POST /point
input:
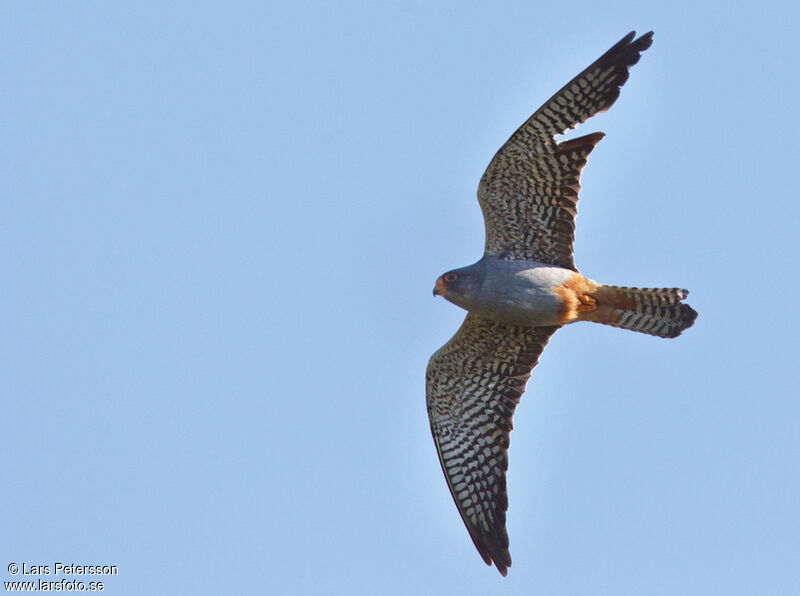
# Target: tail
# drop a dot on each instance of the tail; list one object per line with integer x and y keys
{"x": 655, "y": 311}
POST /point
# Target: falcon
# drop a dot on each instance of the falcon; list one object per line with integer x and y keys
{"x": 525, "y": 288}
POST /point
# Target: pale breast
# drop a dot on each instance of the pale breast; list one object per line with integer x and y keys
{"x": 522, "y": 292}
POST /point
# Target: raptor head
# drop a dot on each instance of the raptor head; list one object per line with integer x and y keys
{"x": 459, "y": 285}
{"x": 449, "y": 279}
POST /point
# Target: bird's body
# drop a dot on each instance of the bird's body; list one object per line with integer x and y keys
{"x": 515, "y": 292}
{"x": 536, "y": 294}
{"x": 522, "y": 291}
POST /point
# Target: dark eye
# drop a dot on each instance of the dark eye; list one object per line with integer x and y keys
{"x": 450, "y": 277}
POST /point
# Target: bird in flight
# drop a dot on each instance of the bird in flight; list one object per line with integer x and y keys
{"x": 524, "y": 288}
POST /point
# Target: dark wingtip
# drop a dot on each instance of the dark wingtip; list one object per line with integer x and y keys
{"x": 502, "y": 560}
{"x": 493, "y": 552}
{"x": 629, "y": 43}
{"x": 622, "y": 56}
{"x": 645, "y": 41}
{"x": 629, "y": 50}
{"x": 497, "y": 547}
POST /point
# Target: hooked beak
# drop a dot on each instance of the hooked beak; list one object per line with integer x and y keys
{"x": 439, "y": 287}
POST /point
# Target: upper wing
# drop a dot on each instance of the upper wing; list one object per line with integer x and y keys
{"x": 474, "y": 382}
{"x": 529, "y": 192}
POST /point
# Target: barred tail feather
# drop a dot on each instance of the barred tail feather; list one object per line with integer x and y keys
{"x": 655, "y": 311}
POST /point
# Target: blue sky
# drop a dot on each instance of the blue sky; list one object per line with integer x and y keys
{"x": 220, "y": 226}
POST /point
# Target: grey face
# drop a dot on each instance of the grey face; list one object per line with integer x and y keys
{"x": 459, "y": 285}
